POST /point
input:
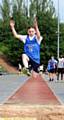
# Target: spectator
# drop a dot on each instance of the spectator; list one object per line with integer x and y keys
{"x": 60, "y": 68}
{"x": 51, "y": 68}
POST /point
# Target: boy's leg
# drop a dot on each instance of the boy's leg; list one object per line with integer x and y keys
{"x": 34, "y": 74}
{"x": 50, "y": 76}
{"x": 35, "y": 67}
{"x": 25, "y": 60}
{"x": 62, "y": 74}
{"x": 58, "y": 73}
{"x": 53, "y": 74}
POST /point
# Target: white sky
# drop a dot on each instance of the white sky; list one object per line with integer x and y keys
{"x": 61, "y": 8}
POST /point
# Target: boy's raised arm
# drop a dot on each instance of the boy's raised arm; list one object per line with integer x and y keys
{"x": 12, "y": 24}
{"x": 36, "y": 28}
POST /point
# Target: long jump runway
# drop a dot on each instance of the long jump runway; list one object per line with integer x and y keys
{"x": 33, "y": 91}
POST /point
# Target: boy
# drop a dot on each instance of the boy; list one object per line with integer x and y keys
{"x": 60, "y": 69}
{"x": 31, "y": 46}
{"x": 52, "y": 63}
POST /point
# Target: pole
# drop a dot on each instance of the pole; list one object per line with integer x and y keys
{"x": 58, "y": 33}
{"x": 28, "y": 8}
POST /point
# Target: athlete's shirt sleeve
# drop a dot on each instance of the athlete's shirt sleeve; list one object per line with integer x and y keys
{"x": 23, "y": 38}
{"x": 39, "y": 40}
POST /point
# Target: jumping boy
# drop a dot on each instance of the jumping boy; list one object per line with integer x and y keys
{"x": 31, "y": 46}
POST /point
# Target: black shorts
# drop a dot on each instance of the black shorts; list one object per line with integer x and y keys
{"x": 19, "y": 70}
{"x": 34, "y": 65}
{"x": 51, "y": 71}
{"x": 60, "y": 70}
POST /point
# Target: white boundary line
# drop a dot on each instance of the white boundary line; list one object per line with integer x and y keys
{"x": 19, "y": 86}
{"x": 58, "y": 98}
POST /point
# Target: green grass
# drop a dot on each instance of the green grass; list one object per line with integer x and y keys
{"x": 2, "y": 69}
{"x": 3, "y": 48}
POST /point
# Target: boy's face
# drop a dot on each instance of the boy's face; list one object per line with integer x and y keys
{"x": 31, "y": 31}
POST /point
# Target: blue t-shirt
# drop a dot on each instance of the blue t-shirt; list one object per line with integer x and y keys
{"x": 51, "y": 64}
{"x": 32, "y": 49}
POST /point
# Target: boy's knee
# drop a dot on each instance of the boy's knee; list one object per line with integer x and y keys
{"x": 25, "y": 57}
{"x": 25, "y": 60}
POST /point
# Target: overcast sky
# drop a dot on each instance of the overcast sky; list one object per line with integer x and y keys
{"x": 61, "y": 8}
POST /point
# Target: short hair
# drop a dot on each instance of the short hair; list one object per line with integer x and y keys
{"x": 31, "y": 27}
{"x": 61, "y": 56}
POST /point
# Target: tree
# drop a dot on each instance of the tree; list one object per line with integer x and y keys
{"x": 5, "y": 10}
{"x": 47, "y": 22}
{"x": 61, "y": 40}
{"x": 5, "y": 13}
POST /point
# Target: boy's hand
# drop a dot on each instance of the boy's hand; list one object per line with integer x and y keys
{"x": 36, "y": 28}
{"x": 12, "y": 23}
{"x": 35, "y": 22}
